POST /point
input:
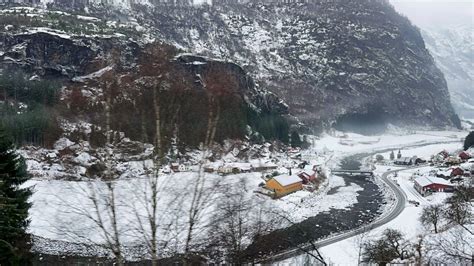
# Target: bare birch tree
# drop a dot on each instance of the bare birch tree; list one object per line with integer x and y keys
{"x": 238, "y": 220}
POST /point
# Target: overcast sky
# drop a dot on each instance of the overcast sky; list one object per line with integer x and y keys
{"x": 425, "y": 13}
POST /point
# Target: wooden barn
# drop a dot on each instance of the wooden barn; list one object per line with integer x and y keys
{"x": 284, "y": 184}
{"x": 426, "y": 184}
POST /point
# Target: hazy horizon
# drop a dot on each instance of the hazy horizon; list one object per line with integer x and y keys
{"x": 435, "y": 13}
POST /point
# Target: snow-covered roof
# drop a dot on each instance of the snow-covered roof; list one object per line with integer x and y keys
{"x": 429, "y": 180}
{"x": 404, "y": 159}
{"x": 243, "y": 166}
{"x": 286, "y": 180}
{"x": 444, "y": 172}
{"x": 258, "y": 163}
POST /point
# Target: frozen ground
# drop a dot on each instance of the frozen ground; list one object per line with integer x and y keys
{"x": 59, "y": 204}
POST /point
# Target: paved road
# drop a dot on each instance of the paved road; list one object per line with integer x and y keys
{"x": 385, "y": 218}
{"x": 401, "y": 200}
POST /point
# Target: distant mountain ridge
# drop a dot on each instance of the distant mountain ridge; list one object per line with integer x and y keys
{"x": 453, "y": 49}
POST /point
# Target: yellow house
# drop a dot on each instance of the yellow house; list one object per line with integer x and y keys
{"x": 283, "y": 185}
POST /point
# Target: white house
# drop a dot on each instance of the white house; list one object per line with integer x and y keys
{"x": 183, "y": 168}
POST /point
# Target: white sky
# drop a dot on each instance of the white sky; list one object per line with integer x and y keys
{"x": 426, "y": 13}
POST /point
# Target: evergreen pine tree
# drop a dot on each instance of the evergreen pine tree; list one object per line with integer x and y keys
{"x": 295, "y": 140}
{"x": 14, "y": 241}
{"x": 399, "y": 154}
{"x": 392, "y": 156}
{"x": 469, "y": 141}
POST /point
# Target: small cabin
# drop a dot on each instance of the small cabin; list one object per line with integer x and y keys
{"x": 307, "y": 178}
{"x": 175, "y": 167}
{"x": 457, "y": 172}
{"x": 464, "y": 156}
{"x": 183, "y": 168}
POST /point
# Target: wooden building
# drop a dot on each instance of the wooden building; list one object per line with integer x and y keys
{"x": 284, "y": 184}
{"x": 428, "y": 184}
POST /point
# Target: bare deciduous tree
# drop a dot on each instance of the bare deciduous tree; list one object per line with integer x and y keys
{"x": 431, "y": 216}
{"x": 392, "y": 245}
{"x": 452, "y": 247}
{"x": 459, "y": 208}
{"x": 359, "y": 241}
{"x": 237, "y": 221}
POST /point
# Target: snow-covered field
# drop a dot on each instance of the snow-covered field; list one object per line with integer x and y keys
{"x": 63, "y": 210}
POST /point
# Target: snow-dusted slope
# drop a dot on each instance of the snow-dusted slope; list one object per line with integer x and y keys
{"x": 453, "y": 49}
{"x": 330, "y": 61}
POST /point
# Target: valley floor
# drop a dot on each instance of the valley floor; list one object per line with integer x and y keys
{"x": 63, "y": 211}
{"x": 348, "y": 252}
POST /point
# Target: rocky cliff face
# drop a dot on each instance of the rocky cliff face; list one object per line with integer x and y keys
{"x": 332, "y": 62}
{"x": 114, "y": 84}
{"x": 325, "y": 60}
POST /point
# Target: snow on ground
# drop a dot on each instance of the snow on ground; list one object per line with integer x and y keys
{"x": 345, "y": 144}
{"x": 425, "y": 152}
{"x": 57, "y": 204}
{"x": 64, "y": 210}
{"x": 346, "y": 252}
{"x": 305, "y": 204}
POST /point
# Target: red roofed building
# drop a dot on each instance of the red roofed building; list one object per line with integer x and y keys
{"x": 425, "y": 184}
{"x": 457, "y": 172}
{"x": 306, "y": 177}
{"x": 464, "y": 156}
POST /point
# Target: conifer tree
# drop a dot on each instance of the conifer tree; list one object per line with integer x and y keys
{"x": 469, "y": 141}
{"x": 392, "y": 156}
{"x": 295, "y": 140}
{"x": 14, "y": 205}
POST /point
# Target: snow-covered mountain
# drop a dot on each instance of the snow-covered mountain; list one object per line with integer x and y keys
{"x": 334, "y": 63}
{"x": 453, "y": 49}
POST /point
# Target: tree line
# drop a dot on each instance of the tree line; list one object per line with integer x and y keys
{"x": 28, "y": 109}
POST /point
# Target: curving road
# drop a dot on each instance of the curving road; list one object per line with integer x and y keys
{"x": 401, "y": 200}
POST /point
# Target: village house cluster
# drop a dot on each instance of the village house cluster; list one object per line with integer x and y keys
{"x": 282, "y": 172}
{"x": 448, "y": 170}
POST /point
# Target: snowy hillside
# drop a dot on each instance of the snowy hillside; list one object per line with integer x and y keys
{"x": 333, "y": 63}
{"x": 453, "y": 50}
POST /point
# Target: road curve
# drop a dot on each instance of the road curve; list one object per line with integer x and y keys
{"x": 401, "y": 200}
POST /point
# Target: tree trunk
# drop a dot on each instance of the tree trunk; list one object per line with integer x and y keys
{"x": 209, "y": 122}
{"x": 153, "y": 225}
{"x": 143, "y": 127}
{"x": 156, "y": 105}
{"x": 214, "y": 125}
{"x": 107, "y": 113}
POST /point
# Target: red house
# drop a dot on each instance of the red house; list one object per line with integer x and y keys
{"x": 457, "y": 172}
{"x": 425, "y": 184}
{"x": 306, "y": 177}
{"x": 464, "y": 156}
